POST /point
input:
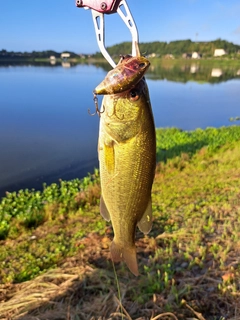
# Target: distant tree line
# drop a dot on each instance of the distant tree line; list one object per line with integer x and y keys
{"x": 176, "y": 48}
{"x": 4, "y": 54}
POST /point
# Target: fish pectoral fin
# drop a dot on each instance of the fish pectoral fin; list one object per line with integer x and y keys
{"x": 127, "y": 254}
{"x": 98, "y": 149}
{"x": 109, "y": 156}
{"x": 103, "y": 210}
{"x": 145, "y": 224}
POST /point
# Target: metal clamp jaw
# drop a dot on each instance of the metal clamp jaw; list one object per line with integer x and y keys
{"x": 107, "y": 7}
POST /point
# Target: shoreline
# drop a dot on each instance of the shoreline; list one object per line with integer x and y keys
{"x": 82, "y": 170}
{"x": 36, "y": 182}
{"x": 91, "y": 60}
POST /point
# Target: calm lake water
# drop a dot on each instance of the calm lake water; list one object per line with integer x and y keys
{"x": 46, "y": 132}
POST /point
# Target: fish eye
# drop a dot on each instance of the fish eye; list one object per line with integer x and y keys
{"x": 139, "y": 66}
{"x": 134, "y": 95}
{"x": 142, "y": 65}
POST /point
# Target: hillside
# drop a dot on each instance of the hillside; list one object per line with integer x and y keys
{"x": 160, "y": 49}
{"x": 176, "y": 48}
{"x": 11, "y": 55}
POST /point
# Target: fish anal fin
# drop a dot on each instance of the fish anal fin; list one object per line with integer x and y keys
{"x": 103, "y": 210}
{"x": 127, "y": 254}
{"x": 145, "y": 224}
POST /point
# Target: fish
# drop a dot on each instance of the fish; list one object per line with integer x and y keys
{"x": 127, "y": 161}
{"x": 124, "y": 76}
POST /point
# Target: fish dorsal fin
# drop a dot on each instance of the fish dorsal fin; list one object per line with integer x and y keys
{"x": 103, "y": 210}
{"x": 127, "y": 254}
{"x": 145, "y": 224}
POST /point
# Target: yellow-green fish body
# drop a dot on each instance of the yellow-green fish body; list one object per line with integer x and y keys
{"x": 127, "y": 156}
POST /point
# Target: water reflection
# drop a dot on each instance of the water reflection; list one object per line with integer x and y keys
{"x": 216, "y": 72}
{"x": 50, "y": 63}
{"x": 179, "y": 72}
{"x": 66, "y": 64}
{"x": 47, "y": 134}
{"x": 53, "y": 62}
{"x": 196, "y": 72}
{"x": 194, "y": 68}
{"x": 184, "y": 72}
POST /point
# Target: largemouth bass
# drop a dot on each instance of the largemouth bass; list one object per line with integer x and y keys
{"x": 127, "y": 156}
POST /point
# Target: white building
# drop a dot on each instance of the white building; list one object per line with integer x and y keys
{"x": 65, "y": 55}
{"x": 152, "y": 55}
{"x": 52, "y": 60}
{"x": 219, "y": 52}
{"x": 196, "y": 55}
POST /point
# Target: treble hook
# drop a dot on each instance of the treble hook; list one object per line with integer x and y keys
{"x": 97, "y": 111}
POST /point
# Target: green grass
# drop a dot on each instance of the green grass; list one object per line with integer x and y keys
{"x": 190, "y": 259}
{"x": 172, "y": 142}
{"x": 31, "y": 208}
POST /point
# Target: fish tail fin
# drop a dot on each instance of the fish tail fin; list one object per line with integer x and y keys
{"x": 128, "y": 254}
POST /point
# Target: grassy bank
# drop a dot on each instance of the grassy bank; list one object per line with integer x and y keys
{"x": 54, "y": 250}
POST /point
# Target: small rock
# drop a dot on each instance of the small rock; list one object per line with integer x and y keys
{"x": 184, "y": 265}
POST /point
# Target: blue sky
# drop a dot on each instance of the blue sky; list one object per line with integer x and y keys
{"x": 27, "y": 25}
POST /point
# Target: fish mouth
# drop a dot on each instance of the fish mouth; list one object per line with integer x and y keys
{"x": 116, "y": 122}
{"x": 138, "y": 86}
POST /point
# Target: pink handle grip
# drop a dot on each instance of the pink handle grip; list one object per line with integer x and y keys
{"x": 103, "y": 6}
